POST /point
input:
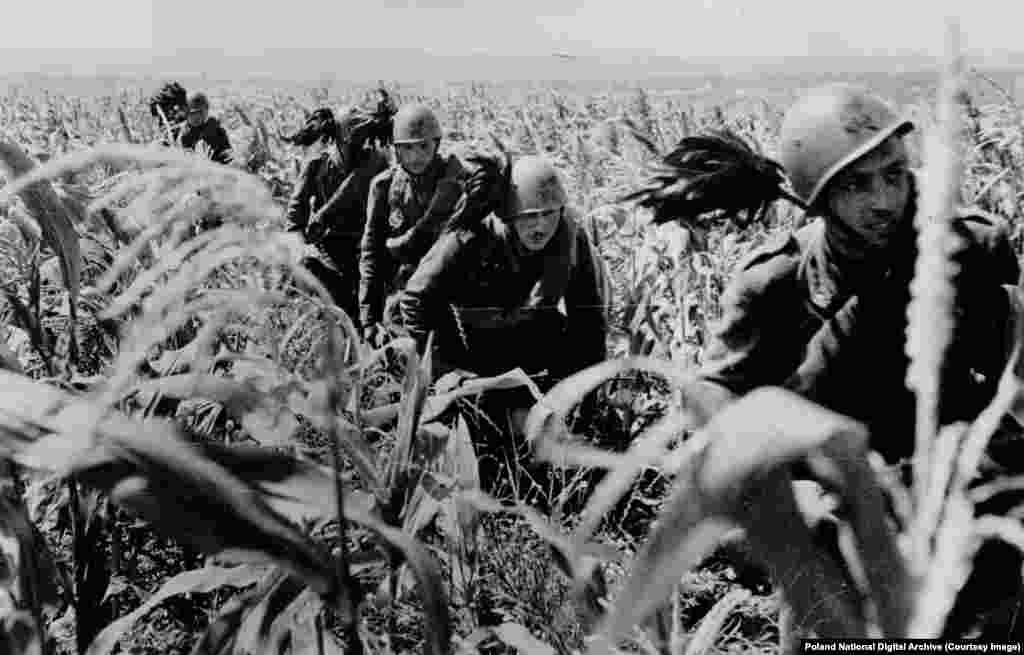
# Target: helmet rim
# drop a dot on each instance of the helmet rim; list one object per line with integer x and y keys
{"x": 829, "y": 128}
{"x": 900, "y": 128}
{"x": 537, "y": 188}
{"x": 415, "y": 124}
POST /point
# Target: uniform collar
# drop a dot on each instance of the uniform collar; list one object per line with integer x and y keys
{"x": 835, "y": 269}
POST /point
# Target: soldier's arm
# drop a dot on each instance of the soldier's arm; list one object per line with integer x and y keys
{"x": 346, "y": 195}
{"x": 373, "y": 253}
{"x": 819, "y": 372}
{"x": 986, "y": 264}
{"x": 219, "y": 143}
{"x": 757, "y": 340}
{"x": 425, "y": 297}
{"x": 414, "y": 243}
{"x": 297, "y": 210}
{"x": 585, "y": 306}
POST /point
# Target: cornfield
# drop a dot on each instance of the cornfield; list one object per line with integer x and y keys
{"x": 199, "y": 455}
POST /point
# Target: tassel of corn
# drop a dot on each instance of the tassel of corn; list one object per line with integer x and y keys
{"x": 931, "y": 311}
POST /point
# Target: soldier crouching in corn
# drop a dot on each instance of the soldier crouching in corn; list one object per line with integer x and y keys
{"x": 822, "y": 311}
{"x": 190, "y": 125}
{"x": 521, "y": 290}
{"x": 200, "y": 127}
{"x": 328, "y": 202}
{"x": 409, "y": 206}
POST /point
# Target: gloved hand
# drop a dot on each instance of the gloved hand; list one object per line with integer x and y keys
{"x": 316, "y": 228}
{"x": 374, "y": 334}
{"x": 486, "y": 188}
{"x": 397, "y": 245}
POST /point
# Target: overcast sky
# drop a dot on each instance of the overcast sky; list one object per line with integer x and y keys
{"x": 82, "y": 32}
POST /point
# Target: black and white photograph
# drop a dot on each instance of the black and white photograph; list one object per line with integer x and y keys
{"x": 464, "y": 327}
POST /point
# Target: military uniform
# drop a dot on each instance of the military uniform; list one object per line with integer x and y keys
{"x": 405, "y": 216}
{"x": 794, "y": 289}
{"x": 791, "y": 319}
{"x": 493, "y": 307}
{"x": 212, "y": 133}
{"x": 335, "y": 198}
{"x": 169, "y": 137}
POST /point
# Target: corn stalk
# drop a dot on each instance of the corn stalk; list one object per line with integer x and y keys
{"x": 931, "y": 311}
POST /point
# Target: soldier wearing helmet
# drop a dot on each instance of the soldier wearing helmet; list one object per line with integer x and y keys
{"x": 409, "y": 205}
{"x": 328, "y": 201}
{"x": 843, "y": 151}
{"x": 822, "y": 311}
{"x": 201, "y": 127}
{"x": 523, "y": 289}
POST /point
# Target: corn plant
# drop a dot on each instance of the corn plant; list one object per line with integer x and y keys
{"x": 396, "y": 496}
{"x": 218, "y": 339}
{"x": 731, "y": 472}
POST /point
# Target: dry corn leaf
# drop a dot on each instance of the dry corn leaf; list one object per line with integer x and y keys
{"x": 201, "y": 581}
{"x": 738, "y": 477}
{"x": 47, "y": 209}
{"x": 218, "y": 499}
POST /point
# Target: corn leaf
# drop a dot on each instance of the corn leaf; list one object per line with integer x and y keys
{"x": 545, "y": 423}
{"x": 195, "y": 500}
{"x": 737, "y": 478}
{"x": 518, "y": 637}
{"x": 47, "y": 209}
{"x": 199, "y": 581}
{"x": 436, "y": 405}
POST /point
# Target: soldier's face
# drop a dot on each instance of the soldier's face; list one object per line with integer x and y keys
{"x": 871, "y": 195}
{"x": 415, "y": 157}
{"x": 196, "y": 116}
{"x": 535, "y": 230}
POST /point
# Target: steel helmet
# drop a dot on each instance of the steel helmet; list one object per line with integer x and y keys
{"x": 415, "y": 124}
{"x": 536, "y": 187}
{"x": 828, "y": 129}
{"x": 198, "y": 100}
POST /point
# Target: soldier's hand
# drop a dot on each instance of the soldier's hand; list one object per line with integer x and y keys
{"x": 361, "y": 132}
{"x": 374, "y": 334}
{"x": 485, "y": 187}
{"x": 398, "y": 245}
{"x": 315, "y": 228}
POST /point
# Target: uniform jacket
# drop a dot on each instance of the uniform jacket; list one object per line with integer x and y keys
{"x": 790, "y": 319}
{"x": 212, "y": 133}
{"x": 335, "y": 197}
{"x": 405, "y": 216}
{"x": 494, "y": 306}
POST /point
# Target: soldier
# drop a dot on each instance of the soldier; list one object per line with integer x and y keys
{"x": 328, "y": 202}
{"x": 201, "y": 127}
{"x": 823, "y": 310}
{"x": 523, "y": 290}
{"x": 409, "y": 205}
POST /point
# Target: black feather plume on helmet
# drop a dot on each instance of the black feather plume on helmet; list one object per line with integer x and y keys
{"x": 711, "y": 178}
{"x": 356, "y": 128}
{"x": 486, "y": 188}
{"x": 318, "y": 125}
{"x": 167, "y": 98}
{"x": 382, "y": 120}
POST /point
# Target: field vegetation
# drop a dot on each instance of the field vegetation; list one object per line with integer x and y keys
{"x": 199, "y": 456}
